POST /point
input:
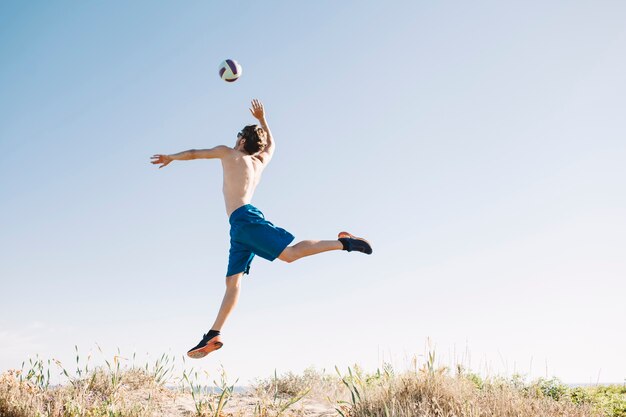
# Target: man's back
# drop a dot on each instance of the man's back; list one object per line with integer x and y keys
{"x": 242, "y": 173}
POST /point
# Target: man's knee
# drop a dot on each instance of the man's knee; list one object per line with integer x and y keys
{"x": 288, "y": 255}
{"x": 232, "y": 281}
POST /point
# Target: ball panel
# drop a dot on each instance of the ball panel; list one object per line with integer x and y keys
{"x": 232, "y": 65}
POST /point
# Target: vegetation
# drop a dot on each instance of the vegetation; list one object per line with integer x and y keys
{"x": 121, "y": 389}
{"x": 112, "y": 390}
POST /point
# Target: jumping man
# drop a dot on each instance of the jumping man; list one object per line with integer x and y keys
{"x": 250, "y": 233}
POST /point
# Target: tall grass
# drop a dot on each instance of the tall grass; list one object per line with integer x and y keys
{"x": 120, "y": 388}
{"x": 110, "y": 390}
{"x": 440, "y": 394}
{"x": 208, "y": 401}
{"x": 277, "y": 395}
{"x": 436, "y": 391}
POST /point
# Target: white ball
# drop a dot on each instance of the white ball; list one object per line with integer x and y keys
{"x": 230, "y": 70}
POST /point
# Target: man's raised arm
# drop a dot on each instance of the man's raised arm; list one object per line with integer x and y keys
{"x": 217, "y": 152}
{"x": 258, "y": 112}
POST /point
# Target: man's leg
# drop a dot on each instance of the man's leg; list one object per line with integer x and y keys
{"x": 345, "y": 241}
{"x": 229, "y": 301}
{"x": 308, "y": 248}
{"x": 212, "y": 341}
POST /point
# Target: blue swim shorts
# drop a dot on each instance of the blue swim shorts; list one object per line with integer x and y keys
{"x": 251, "y": 234}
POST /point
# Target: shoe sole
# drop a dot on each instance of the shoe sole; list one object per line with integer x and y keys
{"x": 351, "y": 236}
{"x": 214, "y": 344}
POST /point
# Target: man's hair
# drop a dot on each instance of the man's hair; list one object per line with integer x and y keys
{"x": 252, "y": 135}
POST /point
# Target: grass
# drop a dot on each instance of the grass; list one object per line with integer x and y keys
{"x": 440, "y": 394}
{"x": 120, "y": 388}
{"x": 207, "y": 401}
{"x": 111, "y": 390}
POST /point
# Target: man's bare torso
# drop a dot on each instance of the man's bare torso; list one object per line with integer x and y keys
{"x": 242, "y": 170}
{"x": 242, "y": 173}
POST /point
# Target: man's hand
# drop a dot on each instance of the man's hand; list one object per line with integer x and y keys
{"x": 257, "y": 110}
{"x": 161, "y": 159}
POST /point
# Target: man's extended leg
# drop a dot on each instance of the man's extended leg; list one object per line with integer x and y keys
{"x": 211, "y": 341}
{"x": 230, "y": 300}
{"x": 308, "y": 248}
{"x": 345, "y": 241}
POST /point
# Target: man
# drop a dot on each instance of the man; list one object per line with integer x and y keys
{"x": 250, "y": 233}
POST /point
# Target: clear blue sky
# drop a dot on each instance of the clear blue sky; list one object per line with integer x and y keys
{"x": 480, "y": 147}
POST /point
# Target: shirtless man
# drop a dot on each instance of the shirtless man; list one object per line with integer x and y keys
{"x": 250, "y": 233}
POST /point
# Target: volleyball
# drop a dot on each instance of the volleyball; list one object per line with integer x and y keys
{"x": 230, "y": 70}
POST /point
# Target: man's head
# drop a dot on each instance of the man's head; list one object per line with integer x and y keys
{"x": 251, "y": 140}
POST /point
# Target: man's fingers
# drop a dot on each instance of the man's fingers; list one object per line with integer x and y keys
{"x": 257, "y": 108}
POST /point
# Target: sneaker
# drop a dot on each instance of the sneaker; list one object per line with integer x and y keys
{"x": 205, "y": 347}
{"x": 353, "y": 243}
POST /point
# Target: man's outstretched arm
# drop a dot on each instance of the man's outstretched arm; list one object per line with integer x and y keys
{"x": 258, "y": 112}
{"x": 217, "y": 152}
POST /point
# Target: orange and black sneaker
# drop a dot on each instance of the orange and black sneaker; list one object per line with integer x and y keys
{"x": 210, "y": 342}
{"x": 353, "y": 243}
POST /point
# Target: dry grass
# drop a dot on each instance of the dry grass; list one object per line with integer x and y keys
{"x": 318, "y": 384}
{"x": 121, "y": 391}
{"x": 135, "y": 393}
{"x": 438, "y": 394}
{"x": 289, "y": 393}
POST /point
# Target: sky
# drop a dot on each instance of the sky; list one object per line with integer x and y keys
{"x": 479, "y": 146}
